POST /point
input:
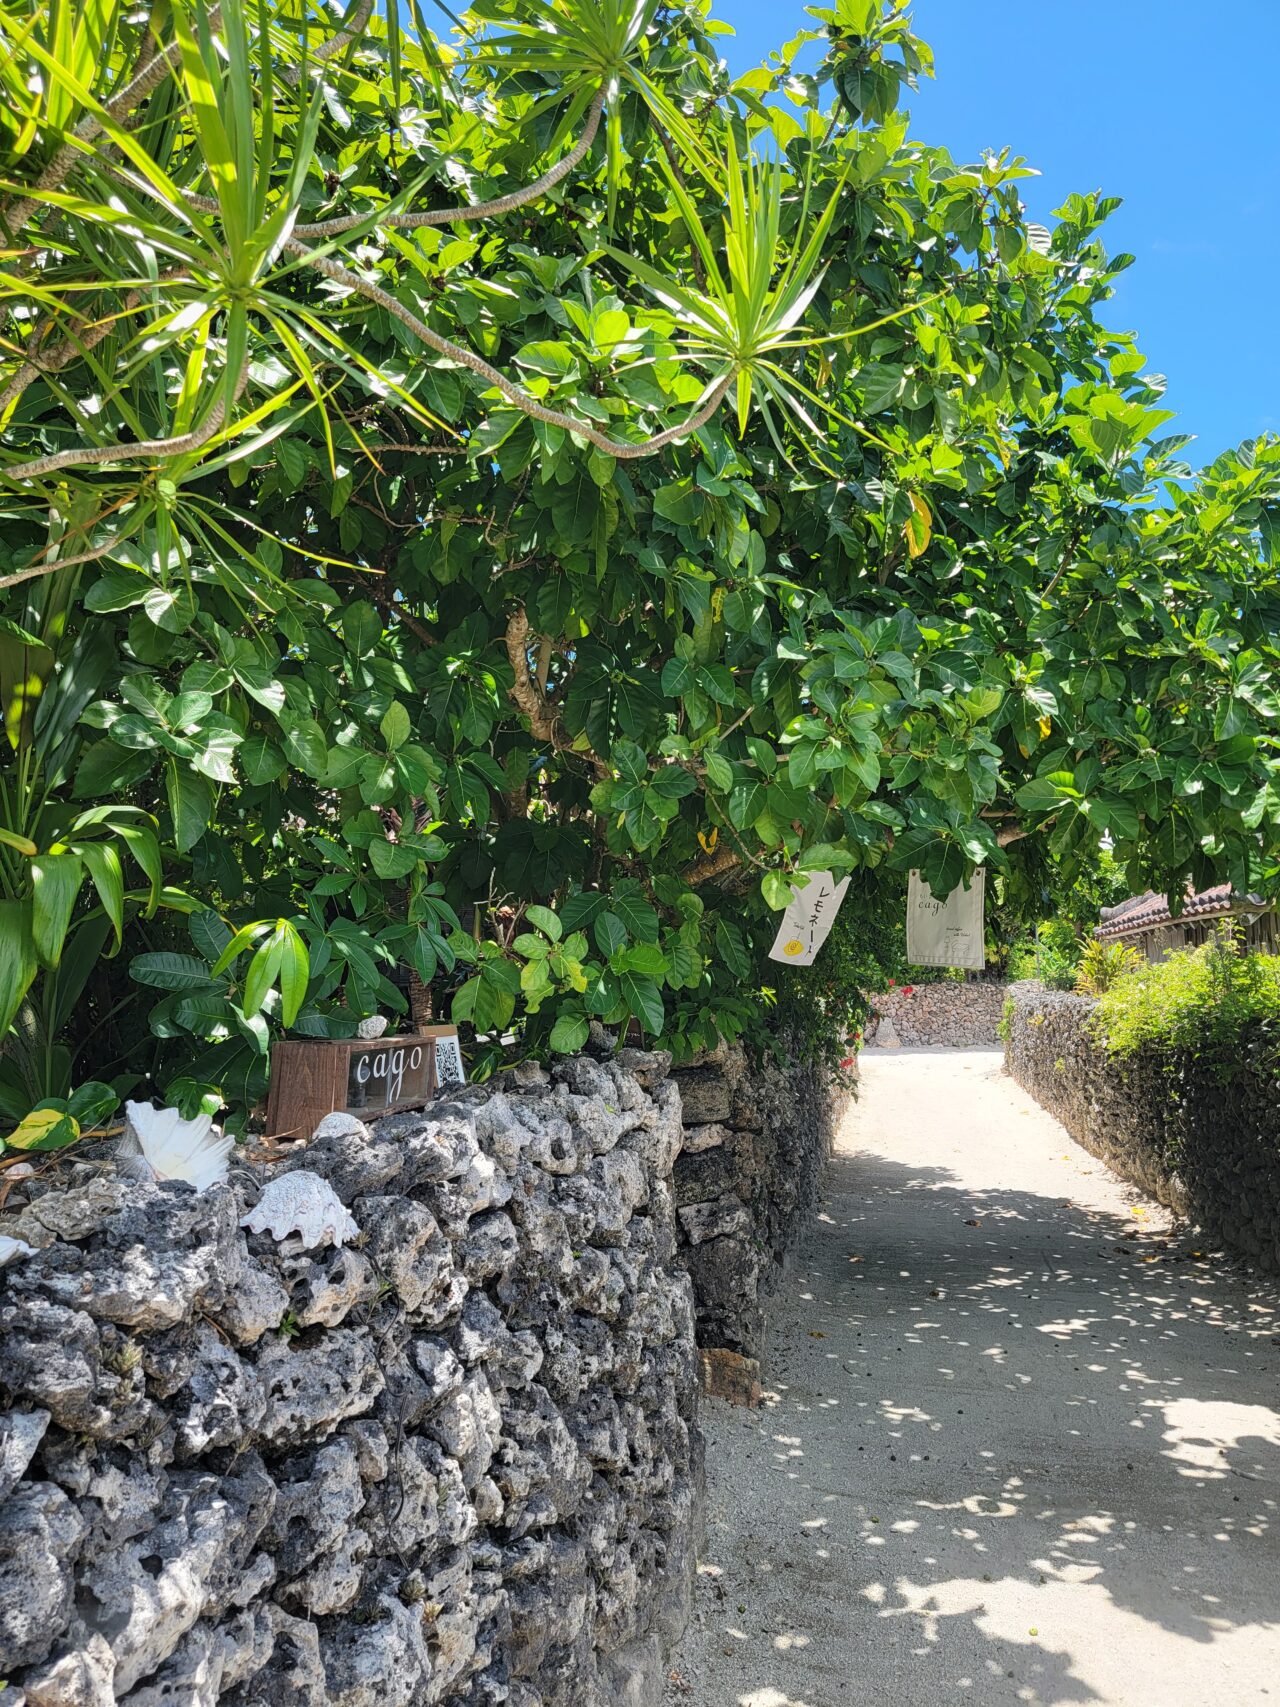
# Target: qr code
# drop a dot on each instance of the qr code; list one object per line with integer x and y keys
{"x": 449, "y": 1068}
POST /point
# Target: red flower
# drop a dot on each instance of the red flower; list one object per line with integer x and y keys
{"x": 908, "y": 989}
{"x": 891, "y": 983}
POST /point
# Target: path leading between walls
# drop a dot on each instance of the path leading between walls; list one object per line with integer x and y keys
{"x": 1021, "y": 1445}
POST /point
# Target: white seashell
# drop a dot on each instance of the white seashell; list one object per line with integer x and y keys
{"x": 13, "y": 1250}
{"x": 372, "y": 1027}
{"x": 159, "y": 1144}
{"x": 340, "y": 1125}
{"x": 303, "y": 1203}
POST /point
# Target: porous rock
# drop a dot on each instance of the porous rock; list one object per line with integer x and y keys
{"x": 451, "y": 1464}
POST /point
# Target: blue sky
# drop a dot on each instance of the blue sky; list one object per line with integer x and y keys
{"x": 1168, "y": 103}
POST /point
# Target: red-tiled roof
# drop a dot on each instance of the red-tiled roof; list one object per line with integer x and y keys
{"x": 1147, "y": 912}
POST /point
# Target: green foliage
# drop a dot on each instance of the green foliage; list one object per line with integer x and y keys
{"x": 1201, "y": 1001}
{"x": 1052, "y": 955}
{"x": 520, "y": 592}
{"x": 1102, "y": 964}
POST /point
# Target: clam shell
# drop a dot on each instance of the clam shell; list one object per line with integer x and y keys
{"x": 301, "y": 1203}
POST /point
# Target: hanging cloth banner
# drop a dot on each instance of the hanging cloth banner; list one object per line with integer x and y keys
{"x": 946, "y": 933}
{"x": 808, "y": 919}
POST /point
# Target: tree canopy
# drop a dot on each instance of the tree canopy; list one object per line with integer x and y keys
{"x": 506, "y": 503}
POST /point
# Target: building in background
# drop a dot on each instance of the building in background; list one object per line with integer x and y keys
{"x": 1146, "y": 923}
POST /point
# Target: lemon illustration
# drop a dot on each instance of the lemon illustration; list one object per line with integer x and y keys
{"x": 795, "y": 946}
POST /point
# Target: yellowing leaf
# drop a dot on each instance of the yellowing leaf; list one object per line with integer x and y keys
{"x": 44, "y": 1129}
{"x": 708, "y": 842}
{"x": 918, "y": 530}
{"x": 1045, "y": 726}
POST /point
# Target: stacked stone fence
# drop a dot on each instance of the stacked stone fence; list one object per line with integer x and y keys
{"x": 454, "y": 1461}
{"x": 757, "y": 1134}
{"x": 947, "y": 1014}
{"x": 1199, "y": 1132}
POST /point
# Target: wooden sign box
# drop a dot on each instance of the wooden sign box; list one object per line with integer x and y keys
{"x": 311, "y": 1077}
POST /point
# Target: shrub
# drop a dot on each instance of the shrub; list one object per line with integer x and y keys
{"x": 1102, "y": 963}
{"x": 1199, "y": 1000}
{"x": 1052, "y": 956}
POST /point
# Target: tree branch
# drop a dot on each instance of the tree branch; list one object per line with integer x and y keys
{"x": 715, "y": 865}
{"x": 92, "y": 456}
{"x": 515, "y": 394}
{"x": 59, "y": 355}
{"x": 391, "y": 606}
{"x": 544, "y": 720}
{"x": 449, "y": 215}
{"x": 359, "y": 18}
{"x": 134, "y": 93}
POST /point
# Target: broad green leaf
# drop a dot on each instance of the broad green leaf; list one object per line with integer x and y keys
{"x": 103, "y": 863}
{"x": 18, "y": 964}
{"x": 775, "y": 886}
{"x": 164, "y": 970}
{"x": 395, "y": 727}
{"x": 295, "y": 971}
{"x": 569, "y": 1033}
{"x": 55, "y": 883}
{"x": 190, "y": 804}
{"x": 543, "y": 919}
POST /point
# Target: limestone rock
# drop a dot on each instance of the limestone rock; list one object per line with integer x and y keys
{"x": 715, "y": 1220}
{"x": 311, "y": 1389}
{"x": 450, "y": 1465}
{"x": 705, "y": 1095}
{"x": 74, "y": 1214}
{"x": 222, "y": 1403}
{"x": 381, "y": 1661}
{"x": 81, "y": 1677}
{"x": 292, "y": 1676}
{"x": 165, "y": 1253}
{"x": 711, "y": 1137}
{"x": 40, "y": 1536}
{"x": 317, "y": 1496}
{"x": 345, "y": 1153}
{"x": 325, "y": 1287}
{"x": 255, "y": 1302}
{"x": 20, "y": 1433}
{"x": 51, "y": 1356}
{"x": 408, "y": 1250}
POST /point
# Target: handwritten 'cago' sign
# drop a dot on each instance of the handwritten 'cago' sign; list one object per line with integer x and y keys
{"x": 808, "y": 919}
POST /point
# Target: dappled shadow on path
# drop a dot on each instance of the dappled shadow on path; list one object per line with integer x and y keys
{"x": 1013, "y": 1443}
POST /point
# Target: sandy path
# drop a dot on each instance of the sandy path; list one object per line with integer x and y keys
{"x": 1021, "y": 1444}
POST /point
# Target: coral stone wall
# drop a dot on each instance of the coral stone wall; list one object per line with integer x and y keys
{"x": 1202, "y": 1136}
{"x": 951, "y": 1014}
{"x": 454, "y": 1462}
{"x": 756, "y": 1137}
